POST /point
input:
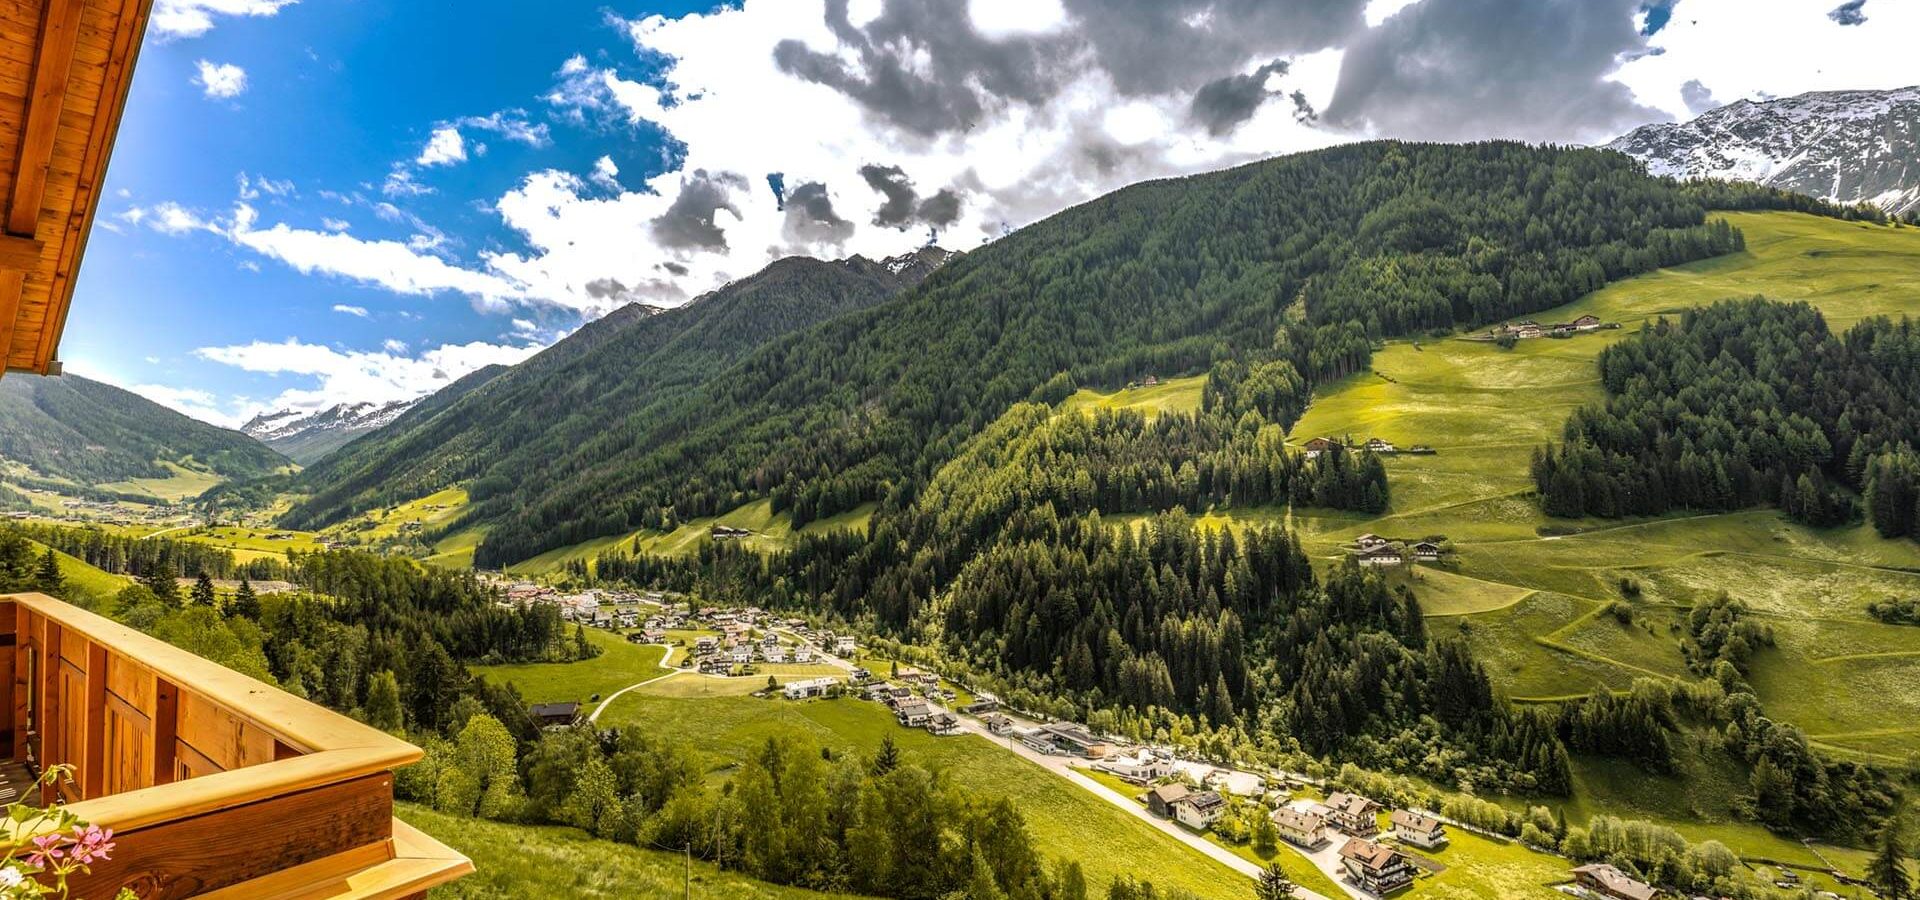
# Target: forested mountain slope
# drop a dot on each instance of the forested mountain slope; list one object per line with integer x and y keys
{"x": 566, "y": 400}
{"x": 1304, "y": 258}
{"x": 91, "y": 433}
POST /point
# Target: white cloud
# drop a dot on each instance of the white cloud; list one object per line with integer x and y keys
{"x": 391, "y": 265}
{"x": 192, "y": 18}
{"x": 605, "y": 173}
{"x": 360, "y": 311}
{"x": 400, "y": 183}
{"x": 168, "y": 218}
{"x": 220, "y": 81}
{"x": 199, "y": 404}
{"x": 394, "y": 345}
{"x": 1002, "y": 18}
{"x": 444, "y": 148}
{"x": 351, "y": 376}
{"x": 332, "y": 224}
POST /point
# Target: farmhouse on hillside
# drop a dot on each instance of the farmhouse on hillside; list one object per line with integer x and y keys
{"x": 1421, "y": 831}
{"x": 913, "y": 714}
{"x": 554, "y": 715}
{"x": 1426, "y": 551}
{"x": 1161, "y": 800}
{"x": 1611, "y": 883}
{"x": 1370, "y": 541}
{"x": 1388, "y": 555}
{"x": 1376, "y": 869}
{"x": 1317, "y": 446}
{"x": 1587, "y": 322}
{"x": 1379, "y": 445}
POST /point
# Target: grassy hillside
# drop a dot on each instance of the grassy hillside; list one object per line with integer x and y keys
{"x": 517, "y": 861}
{"x": 771, "y": 531}
{"x": 563, "y": 404}
{"x": 69, "y": 428}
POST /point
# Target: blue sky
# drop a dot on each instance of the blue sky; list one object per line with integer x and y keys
{"x": 324, "y": 201}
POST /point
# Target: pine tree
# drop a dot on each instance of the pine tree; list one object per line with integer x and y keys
{"x": 1888, "y": 868}
{"x": 203, "y": 591}
{"x": 245, "y": 603}
{"x": 1274, "y": 884}
{"x": 48, "y": 579}
{"x": 887, "y": 760}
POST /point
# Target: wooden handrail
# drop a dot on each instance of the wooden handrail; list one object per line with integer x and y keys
{"x": 312, "y": 789}
{"x": 301, "y": 723}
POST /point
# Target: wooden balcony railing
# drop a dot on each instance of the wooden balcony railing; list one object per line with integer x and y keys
{"x": 215, "y": 784}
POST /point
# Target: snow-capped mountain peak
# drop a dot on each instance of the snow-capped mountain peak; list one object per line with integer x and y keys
{"x": 1844, "y": 146}
{"x": 307, "y": 435}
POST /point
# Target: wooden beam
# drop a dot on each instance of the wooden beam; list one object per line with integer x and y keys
{"x": 20, "y": 253}
{"x": 13, "y": 284}
{"x": 59, "y": 30}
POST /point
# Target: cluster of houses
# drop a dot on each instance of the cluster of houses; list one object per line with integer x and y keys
{"x": 1374, "y": 551}
{"x": 917, "y": 710}
{"x": 1373, "y": 866}
{"x": 1524, "y": 330}
{"x": 728, "y": 533}
{"x": 1318, "y": 445}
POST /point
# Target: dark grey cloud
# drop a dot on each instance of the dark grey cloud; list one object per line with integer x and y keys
{"x": 1161, "y": 46}
{"x": 1849, "y": 13}
{"x": 923, "y": 67}
{"x": 902, "y": 205}
{"x": 1473, "y": 69}
{"x": 810, "y": 216}
{"x": 893, "y": 184}
{"x": 689, "y": 223}
{"x": 1698, "y": 97}
{"x": 603, "y": 288}
{"x": 1222, "y": 105}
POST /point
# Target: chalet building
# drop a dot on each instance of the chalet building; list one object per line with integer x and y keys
{"x": 728, "y": 533}
{"x": 1161, "y": 800}
{"x": 998, "y": 724}
{"x": 1352, "y": 813}
{"x": 844, "y": 645}
{"x": 1317, "y": 446}
{"x": 1379, "y": 445}
{"x": 1074, "y": 740}
{"x": 1528, "y": 330}
{"x": 1380, "y": 557}
{"x": 1605, "y": 881}
{"x": 1421, "y": 831}
{"x": 1370, "y": 541}
{"x": 944, "y": 724}
{"x": 1377, "y": 870}
{"x": 981, "y": 706}
{"x": 1299, "y": 827}
{"x": 554, "y": 715}
{"x": 913, "y": 714}
{"x": 1199, "y": 810}
{"x": 1587, "y": 322}
{"x": 811, "y": 687}
{"x": 1426, "y": 551}
{"x": 859, "y": 674}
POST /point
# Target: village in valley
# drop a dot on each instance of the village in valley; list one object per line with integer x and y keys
{"x": 1359, "y": 844}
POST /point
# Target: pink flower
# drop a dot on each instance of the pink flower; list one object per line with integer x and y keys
{"x": 46, "y": 850}
{"x": 91, "y": 843}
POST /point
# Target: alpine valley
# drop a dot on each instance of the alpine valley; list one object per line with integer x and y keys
{"x": 1561, "y": 502}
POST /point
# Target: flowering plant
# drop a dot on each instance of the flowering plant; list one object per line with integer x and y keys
{"x": 61, "y": 845}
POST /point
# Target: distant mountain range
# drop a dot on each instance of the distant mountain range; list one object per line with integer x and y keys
{"x": 78, "y": 430}
{"x": 308, "y": 435}
{"x": 1844, "y": 146}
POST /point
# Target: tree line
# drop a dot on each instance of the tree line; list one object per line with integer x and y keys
{"x": 1743, "y": 403}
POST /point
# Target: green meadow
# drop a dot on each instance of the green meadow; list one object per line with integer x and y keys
{"x": 619, "y": 665}
{"x": 516, "y": 861}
